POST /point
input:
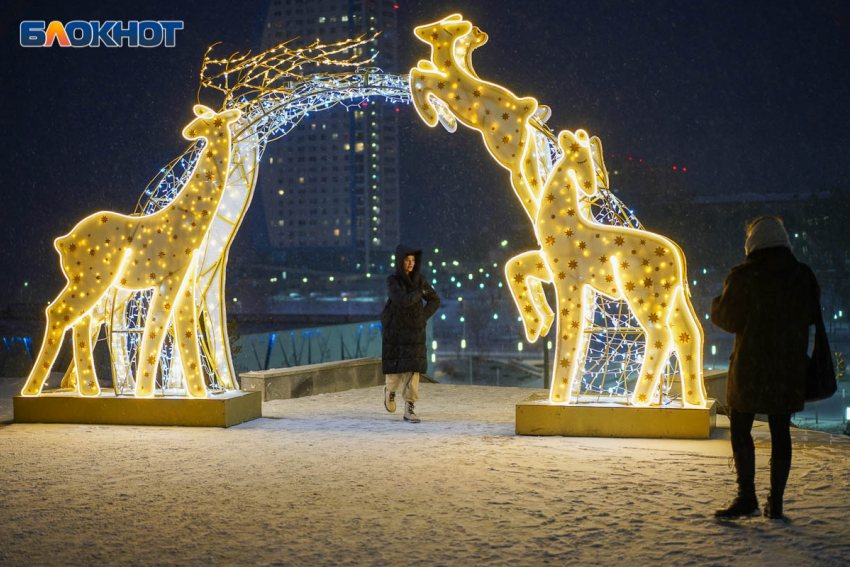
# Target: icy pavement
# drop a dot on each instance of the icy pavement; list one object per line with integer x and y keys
{"x": 335, "y": 480}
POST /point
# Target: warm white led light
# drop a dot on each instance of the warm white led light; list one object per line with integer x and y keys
{"x": 108, "y": 251}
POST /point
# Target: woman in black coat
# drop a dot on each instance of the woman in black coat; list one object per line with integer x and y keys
{"x": 403, "y": 319}
{"x": 768, "y": 302}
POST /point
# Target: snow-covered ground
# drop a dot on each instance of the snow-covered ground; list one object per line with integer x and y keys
{"x": 335, "y": 480}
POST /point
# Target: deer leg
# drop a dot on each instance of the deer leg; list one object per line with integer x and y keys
{"x": 525, "y": 274}
{"x": 658, "y": 347}
{"x": 70, "y": 379}
{"x": 687, "y": 339}
{"x": 420, "y": 94}
{"x": 185, "y": 317}
{"x": 214, "y": 316}
{"x": 83, "y": 360}
{"x": 571, "y": 343}
{"x": 156, "y": 326}
{"x": 148, "y": 354}
{"x": 58, "y": 320}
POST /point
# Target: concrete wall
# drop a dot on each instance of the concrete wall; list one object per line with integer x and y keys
{"x": 311, "y": 379}
{"x": 715, "y": 388}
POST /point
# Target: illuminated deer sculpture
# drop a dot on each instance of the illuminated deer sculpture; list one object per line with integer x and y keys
{"x": 158, "y": 251}
{"x": 578, "y": 255}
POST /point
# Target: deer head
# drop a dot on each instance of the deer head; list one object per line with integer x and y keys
{"x": 206, "y": 119}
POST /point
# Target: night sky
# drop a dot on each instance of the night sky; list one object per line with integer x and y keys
{"x": 749, "y": 96}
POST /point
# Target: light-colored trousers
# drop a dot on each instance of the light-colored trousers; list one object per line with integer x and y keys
{"x": 407, "y": 381}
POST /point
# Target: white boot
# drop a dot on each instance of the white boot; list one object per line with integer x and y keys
{"x": 409, "y": 415}
{"x": 389, "y": 400}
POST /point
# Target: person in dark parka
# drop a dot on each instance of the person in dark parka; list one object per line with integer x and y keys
{"x": 768, "y": 302}
{"x": 404, "y": 355}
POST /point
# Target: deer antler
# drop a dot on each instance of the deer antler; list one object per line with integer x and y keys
{"x": 275, "y": 69}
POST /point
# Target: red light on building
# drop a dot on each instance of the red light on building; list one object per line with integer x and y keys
{"x": 684, "y": 169}
{"x": 674, "y": 167}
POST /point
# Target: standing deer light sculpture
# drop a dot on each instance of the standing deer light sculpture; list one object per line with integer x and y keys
{"x": 577, "y": 254}
{"x": 159, "y": 251}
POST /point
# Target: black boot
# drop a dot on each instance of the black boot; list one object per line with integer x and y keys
{"x": 745, "y": 503}
{"x": 779, "y": 469}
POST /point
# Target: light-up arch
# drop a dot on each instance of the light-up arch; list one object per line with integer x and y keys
{"x": 272, "y": 96}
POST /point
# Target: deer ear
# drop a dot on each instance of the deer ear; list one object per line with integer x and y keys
{"x": 582, "y": 138}
{"x": 565, "y": 139}
{"x": 599, "y": 156}
{"x": 202, "y": 111}
{"x": 231, "y": 115}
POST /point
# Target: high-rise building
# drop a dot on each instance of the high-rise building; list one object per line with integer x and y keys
{"x": 330, "y": 187}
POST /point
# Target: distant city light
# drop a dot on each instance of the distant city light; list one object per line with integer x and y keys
{"x": 495, "y": 315}
{"x": 434, "y": 345}
{"x": 519, "y": 346}
{"x": 463, "y": 343}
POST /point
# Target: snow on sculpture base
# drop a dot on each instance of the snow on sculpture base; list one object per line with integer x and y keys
{"x": 223, "y": 410}
{"x": 538, "y": 416}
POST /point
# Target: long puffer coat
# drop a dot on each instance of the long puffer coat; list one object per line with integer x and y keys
{"x": 769, "y": 302}
{"x": 404, "y": 316}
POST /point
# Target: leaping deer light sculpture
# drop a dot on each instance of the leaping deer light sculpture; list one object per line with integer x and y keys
{"x": 578, "y": 254}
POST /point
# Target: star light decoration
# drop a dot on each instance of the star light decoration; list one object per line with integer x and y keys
{"x": 167, "y": 327}
{"x": 621, "y": 292}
